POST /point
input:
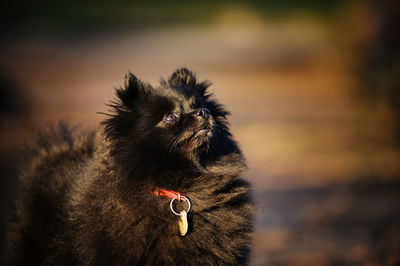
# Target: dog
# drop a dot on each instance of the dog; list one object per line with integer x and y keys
{"x": 160, "y": 185}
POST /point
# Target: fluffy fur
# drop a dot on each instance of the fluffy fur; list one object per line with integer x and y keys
{"x": 87, "y": 200}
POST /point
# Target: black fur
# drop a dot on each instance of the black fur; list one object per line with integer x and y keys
{"x": 87, "y": 200}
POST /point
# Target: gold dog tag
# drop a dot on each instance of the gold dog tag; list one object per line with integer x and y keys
{"x": 183, "y": 223}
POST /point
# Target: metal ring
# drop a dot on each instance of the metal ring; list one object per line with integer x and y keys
{"x": 185, "y": 199}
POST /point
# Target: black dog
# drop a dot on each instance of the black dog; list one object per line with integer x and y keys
{"x": 161, "y": 186}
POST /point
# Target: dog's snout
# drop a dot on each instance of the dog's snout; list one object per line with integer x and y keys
{"x": 203, "y": 112}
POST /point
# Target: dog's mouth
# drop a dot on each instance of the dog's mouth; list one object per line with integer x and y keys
{"x": 197, "y": 138}
{"x": 206, "y": 132}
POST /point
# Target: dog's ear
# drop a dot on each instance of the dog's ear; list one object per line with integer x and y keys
{"x": 132, "y": 92}
{"x": 183, "y": 77}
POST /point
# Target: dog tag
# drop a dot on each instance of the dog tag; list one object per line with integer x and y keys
{"x": 183, "y": 223}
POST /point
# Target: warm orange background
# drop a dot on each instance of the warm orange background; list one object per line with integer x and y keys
{"x": 320, "y": 140}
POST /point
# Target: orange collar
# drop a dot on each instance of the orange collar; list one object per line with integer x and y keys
{"x": 166, "y": 193}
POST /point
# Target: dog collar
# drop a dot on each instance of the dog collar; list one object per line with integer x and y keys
{"x": 173, "y": 195}
{"x": 166, "y": 193}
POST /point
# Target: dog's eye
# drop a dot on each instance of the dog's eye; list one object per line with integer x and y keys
{"x": 171, "y": 117}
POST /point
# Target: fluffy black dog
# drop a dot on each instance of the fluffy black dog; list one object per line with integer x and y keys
{"x": 105, "y": 199}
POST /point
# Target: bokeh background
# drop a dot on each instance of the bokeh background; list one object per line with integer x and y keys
{"x": 313, "y": 87}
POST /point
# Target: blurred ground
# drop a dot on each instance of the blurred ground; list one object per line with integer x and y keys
{"x": 323, "y": 160}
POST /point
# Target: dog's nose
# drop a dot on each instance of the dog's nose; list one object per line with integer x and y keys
{"x": 203, "y": 112}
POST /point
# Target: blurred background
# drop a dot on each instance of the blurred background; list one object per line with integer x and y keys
{"x": 313, "y": 87}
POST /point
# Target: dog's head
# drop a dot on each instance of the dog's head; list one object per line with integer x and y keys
{"x": 175, "y": 120}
